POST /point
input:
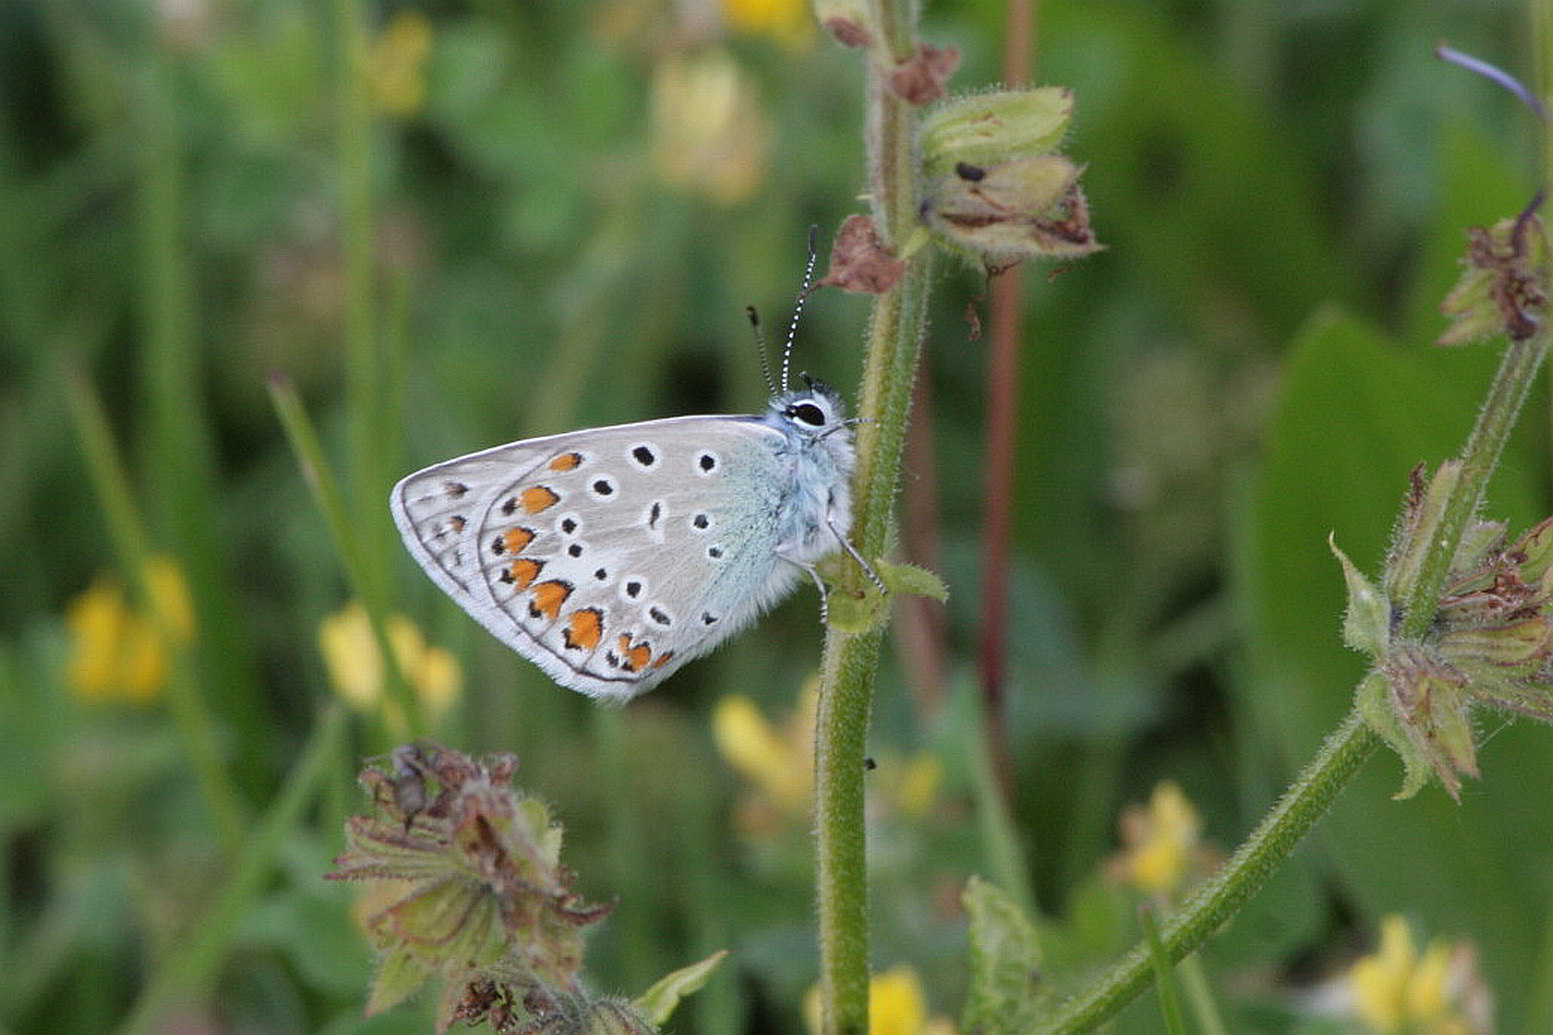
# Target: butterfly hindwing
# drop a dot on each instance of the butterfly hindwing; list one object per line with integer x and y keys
{"x": 608, "y": 557}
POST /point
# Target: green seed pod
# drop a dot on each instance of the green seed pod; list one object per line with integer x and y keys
{"x": 1004, "y": 213}
{"x": 991, "y": 128}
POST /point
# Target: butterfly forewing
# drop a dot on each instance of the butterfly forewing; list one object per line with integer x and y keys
{"x": 612, "y": 556}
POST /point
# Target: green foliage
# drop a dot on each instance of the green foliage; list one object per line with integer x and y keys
{"x": 1005, "y": 958}
{"x": 658, "y": 1002}
{"x": 564, "y": 233}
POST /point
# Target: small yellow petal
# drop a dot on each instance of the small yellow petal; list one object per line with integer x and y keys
{"x": 143, "y": 660}
{"x": 786, "y": 20}
{"x": 895, "y": 1002}
{"x": 351, "y": 656}
{"x": 396, "y": 63}
{"x": 1427, "y": 993}
{"x": 896, "y": 1006}
{"x": 919, "y": 785}
{"x": 1162, "y": 841}
{"x": 95, "y": 619}
{"x": 439, "y": 681}
{"x": 118, "y": 652}
{"x": 710, "y": 132}
{"x": 1379, "y": 981}
{"x": 749, "y": 743}
{"x": 170, "y": 592}
{"x": 355, "y": 665}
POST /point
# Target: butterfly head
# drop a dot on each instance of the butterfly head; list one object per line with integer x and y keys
{"x": 814, "y": 411}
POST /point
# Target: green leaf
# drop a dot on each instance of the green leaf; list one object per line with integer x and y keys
{"x": 659, "y": 1001}
{"x": 1367, "y": 619}
{"x": 851, "y": 613}
{"x": 909, "y": 578}
{"x": 1005, "y": 962}
{"x": 399, "y": 975}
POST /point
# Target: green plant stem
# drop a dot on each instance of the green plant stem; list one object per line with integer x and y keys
{"x": 1194, "y": 981}
{"x": 347, "y": 538}
{"x": 851, "y": 659}
{"x": 1339, "y": 758}
{"x": 1512, "y": 383}
{"x": 1217, "y": 900}
{"x": 192, "y": 965}
{"x": 1164, "y": 976}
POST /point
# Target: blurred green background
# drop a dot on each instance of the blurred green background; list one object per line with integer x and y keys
{"x": 452, "y": 224}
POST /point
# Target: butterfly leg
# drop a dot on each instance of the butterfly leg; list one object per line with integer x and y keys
{"x": 846, "y": 544}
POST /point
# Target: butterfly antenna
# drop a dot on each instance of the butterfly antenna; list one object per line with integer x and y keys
{"x": 792, "y": 327}
{"x": 760, "y": 346}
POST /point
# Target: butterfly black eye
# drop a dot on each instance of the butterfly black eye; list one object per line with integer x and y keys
{"x": 807, "y": 413}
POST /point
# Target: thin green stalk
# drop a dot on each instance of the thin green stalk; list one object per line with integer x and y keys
{"x": 193, "y": 964}
{"x": 1222, "y": 895}
{"x": 191, "y": 715}
{"x": 851, "y": 660}
{"x": 1001, "y": 848}
{"x": 1512, "y": 383}
{"x": 1339, "y": 758}
{"x": 346, "y": 534}
{"x": 1194, "y": 980}
{"x": 1164, "y": 976}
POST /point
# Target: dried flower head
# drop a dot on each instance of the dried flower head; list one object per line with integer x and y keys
{"x": 463, "y": 881}
{"x": 1490, "y": 643}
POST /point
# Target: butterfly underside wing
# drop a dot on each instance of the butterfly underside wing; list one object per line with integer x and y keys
{"x": 610, "y": 557}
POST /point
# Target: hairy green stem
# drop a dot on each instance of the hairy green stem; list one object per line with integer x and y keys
{"x": 1512, "y": 383}
{"x": 851, "y": 659}
{"x": 1326, "y": 775}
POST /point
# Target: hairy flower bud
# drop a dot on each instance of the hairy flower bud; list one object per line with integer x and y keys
{"x": 1004, "y": 213}
{"x": 990, "y": 128}
{"x": 1489, "y": 642}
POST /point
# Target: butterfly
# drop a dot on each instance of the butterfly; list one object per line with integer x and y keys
{"x": 609, "y": 557}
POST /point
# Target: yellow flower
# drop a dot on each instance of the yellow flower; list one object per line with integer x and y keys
{"x": 396, "y": 64}
{"x": 1161, "y": 844}
{"x": 355, "y": 664}
{"x": 119, "y": 653}
{"x": 896, "y": 1006}
{"x": 1397, "y": 991}
{"x": 920, "y": 780}
{"x": 778, "y": 761}
{"x": 709, "y": 131}
{"x": 788, "y": 21}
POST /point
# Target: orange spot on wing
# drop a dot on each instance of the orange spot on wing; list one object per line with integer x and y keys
{"x": 566, "y": 462}
{"x": 636, "y": 658}
{"x": 525, "y": 571}
{"x": 536, "y": 498}
{"x": 585, "y": 629}
{"x": 662, "y": 659}
{"x": 516, "y": 540}
{"x": 548, "y": 598}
